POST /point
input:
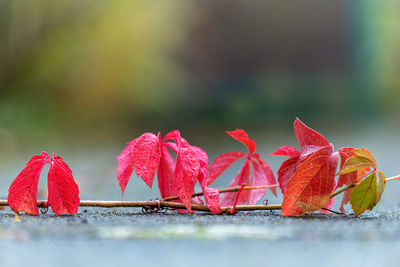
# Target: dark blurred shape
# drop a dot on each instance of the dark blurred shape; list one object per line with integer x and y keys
{"x": 245, "y": 38}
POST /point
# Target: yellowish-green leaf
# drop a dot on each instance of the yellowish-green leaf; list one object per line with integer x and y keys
{"x": 362, "y": 159}
{"x": 367, "y": 193}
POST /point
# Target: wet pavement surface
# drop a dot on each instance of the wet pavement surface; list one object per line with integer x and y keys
{"x": 123, "y": 236}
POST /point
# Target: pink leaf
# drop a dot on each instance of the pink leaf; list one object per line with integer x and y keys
{"x": 63, "y": 191}
{"x": 165, "y": 174}
{"x": 211, "y": 195}
{"x": 175, "y": 136}
{"x": 258, "y": 179}
{"x": 22, "y": 194}
{"x": 286, "y": 150}
{"x": 242, "y": 177}
{"x": 221, "y": 163}
{"x": 269, "y": 174}
{"x": 146, "y": 157}
{"x": 242, "y": 136}
{"x": 172, "y": 146}
{"x": 125, "y": 166}
{"x": 308, "y": 136}
{"x": 186, "y": 172}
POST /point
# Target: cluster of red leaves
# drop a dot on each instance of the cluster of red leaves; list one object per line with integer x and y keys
{"x": 262, "y": 174}
{"x": 63, "y": 192}
{"x": 307, "y": 178}
{"x": 149, "y": 153}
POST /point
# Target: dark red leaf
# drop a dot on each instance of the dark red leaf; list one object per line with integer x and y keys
{"x": 125, "y": 166}
{"x": 308, "y": 136}
{"x": 63, "y": 191}
{"x": 22, "y": 194}
{"x": 146, "y": 157}
{"x": 242, "y": 136}
{"x": 221, "y": 163}
{"x": 286, "y": 150}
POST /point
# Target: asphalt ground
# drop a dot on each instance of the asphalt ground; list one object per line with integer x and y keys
{"x": 128, "y": 237}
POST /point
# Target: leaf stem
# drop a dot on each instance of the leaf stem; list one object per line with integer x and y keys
{"x": 226, "y": 190}
{"x": 393, "y": 178}
{"x": 233, "y": 211}
{"x": 350, "y": 185}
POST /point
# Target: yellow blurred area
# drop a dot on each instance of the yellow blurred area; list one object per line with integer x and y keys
{"x": 91, "y": 60}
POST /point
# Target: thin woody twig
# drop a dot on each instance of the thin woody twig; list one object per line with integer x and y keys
{"x": 155, "y": 204}
{"x": 226, "y": 190}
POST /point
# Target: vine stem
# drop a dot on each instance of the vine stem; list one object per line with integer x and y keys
{"x": 156, "y": 204}
{"x": 393, "y": 178}
{"x": 166, "y": 203}
{"x": 352, "y": 185}
{"x": 226, "y": 190}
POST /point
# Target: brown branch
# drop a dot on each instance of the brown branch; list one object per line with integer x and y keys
{"x": 155, "y": 204}
{"x": 226, "y": 190}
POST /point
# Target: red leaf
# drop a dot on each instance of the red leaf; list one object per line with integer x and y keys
{"x": 308, "y": 136}
{"x": 211, "y": 195}
{"x": 173, "y": 135}
{"x": 221, "y": 163}
{"x": 63, "y": 191}
{"x": 242, "y": 136}
{"x": 269, "y": 174}
{"x": 242, "y": 177}
{"x": 345, "y": 179}
{"x": 310, "y": 187}
{"x": 286, "y": 150}
{"x": 125, "y": 166}
{"x": 22, "y": 194}
{"x": 306, "y": 151}
{"x": 165, "y": 174}
{"x": 186, "y": 172}
{"x": 258, "y": 179}
{"x": 286, "y": 172}
{"x": 330, "y": 203}
{"x": 171, "y": 145}
{"x": 146, "y": 157}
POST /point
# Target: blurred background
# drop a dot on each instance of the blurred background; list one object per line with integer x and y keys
{"x": 83, "y": 77}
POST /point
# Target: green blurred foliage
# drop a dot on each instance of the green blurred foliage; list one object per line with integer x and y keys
{"x": 115, "y": 67}
{"x": 87, "y": 63}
